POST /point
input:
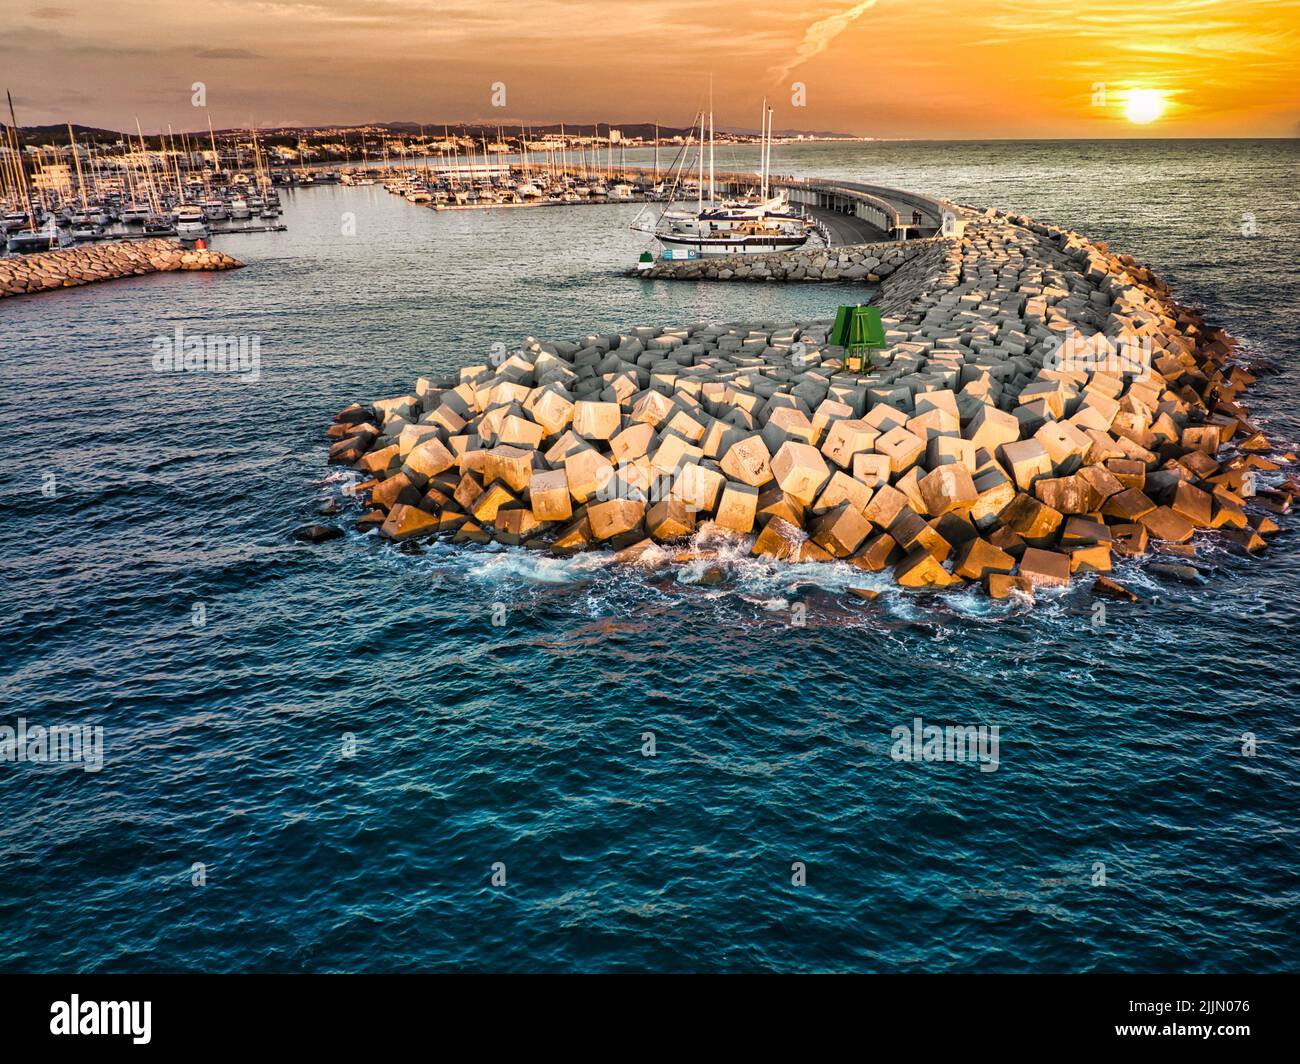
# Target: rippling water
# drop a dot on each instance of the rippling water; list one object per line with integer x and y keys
{"x": 521, "y": 742}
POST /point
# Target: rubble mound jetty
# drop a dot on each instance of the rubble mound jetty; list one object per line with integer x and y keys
{"x": 70, "y": 267}
{"x": 1042, "y": 407}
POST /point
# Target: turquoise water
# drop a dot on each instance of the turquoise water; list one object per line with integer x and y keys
{"x": 521, "y": 743}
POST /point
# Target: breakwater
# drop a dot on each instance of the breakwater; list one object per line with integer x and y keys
{"x": 1043, "y": 407}
{"x": 70, "y": 267}
{"x": 869, "y": 263}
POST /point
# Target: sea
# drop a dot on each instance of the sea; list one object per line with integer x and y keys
{"x": 347, "y": 758}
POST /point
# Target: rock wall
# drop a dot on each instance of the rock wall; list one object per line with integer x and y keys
{"x": 1043, "y": 408}
{"x": 88, "y": 263}
{"x": 853, "y": 262}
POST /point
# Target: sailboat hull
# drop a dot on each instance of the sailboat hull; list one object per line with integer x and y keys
{"x": 734, "y": 245}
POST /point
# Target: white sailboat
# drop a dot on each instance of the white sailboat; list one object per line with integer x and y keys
{"x": 750, "y": 225}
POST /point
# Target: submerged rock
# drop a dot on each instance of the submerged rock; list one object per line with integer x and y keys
{"x": 317, "y": 533}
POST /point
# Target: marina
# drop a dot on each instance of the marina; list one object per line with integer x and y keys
{"x": 105, "y": 195}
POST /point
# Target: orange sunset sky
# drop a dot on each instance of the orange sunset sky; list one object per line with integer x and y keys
{"x": 886, "y": 68}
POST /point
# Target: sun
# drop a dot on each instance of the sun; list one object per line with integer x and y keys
{"x": 1143, "y": 106}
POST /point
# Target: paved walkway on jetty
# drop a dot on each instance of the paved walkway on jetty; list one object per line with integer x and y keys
{"x": 848, "y": 229}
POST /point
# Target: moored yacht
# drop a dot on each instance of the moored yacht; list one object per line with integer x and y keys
{"x": 752, "y": 225}
{"x": 46, "y": 239}
{"x": 190, "y": 222}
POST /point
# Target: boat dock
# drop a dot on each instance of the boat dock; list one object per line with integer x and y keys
{"x": 845, "y": 212}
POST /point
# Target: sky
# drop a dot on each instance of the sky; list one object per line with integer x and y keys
{"x": 938, "y": 69}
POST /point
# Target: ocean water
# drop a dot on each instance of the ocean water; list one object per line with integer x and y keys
{"x": 228, "y": 830}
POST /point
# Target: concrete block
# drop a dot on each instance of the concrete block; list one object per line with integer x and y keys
{"x": 1045, "y": 568}
{"x": 748, "y": 461}
{"x": 548, "y": 493}
{"x": 738, "y": 506}
{"x": 948, "y": 488}
{"x": 800, "y": 471}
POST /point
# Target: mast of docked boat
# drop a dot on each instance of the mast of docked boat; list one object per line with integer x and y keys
{"x": 176, "y": 166}
{"x": 712, "y": 191}
{"x": 20, "y": 167}
{"x": 81, "y": 181}
{"x": 148, "y": 169}
{"x": 216, "y": 158}
{"x": 699, "y": 185}
{"x": 771, "y": 115}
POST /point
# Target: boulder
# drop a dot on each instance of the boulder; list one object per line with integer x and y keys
{"x": 317, "y": 533}
{"x": 779, "y": 539}
{"x": 920, "y": 569}
{"x": 1031, "y": 520}
{"x": 1045, "y": 568}
{"x": 748, "y": 462}
{"x": 615, "y": 517}
{"x": 977, "y": 558}
{"x": 669, "y": 519}
{"x": 738, "y": 507}
{"x": 595, "y": 420}
{"x": 948, "y": 488}
{"x": 841, "y": 531}
{"x": 548, "y": 494}
{"x": 800, "y": 471}
{"x": 408, "y": 522}
{"x": 1025, "y": 461}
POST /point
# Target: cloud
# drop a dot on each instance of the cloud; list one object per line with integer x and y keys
{"x": 818, "y": 36}
{"x": 225, "y": 53}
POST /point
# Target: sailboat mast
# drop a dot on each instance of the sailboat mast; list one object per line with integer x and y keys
{"x": 20, "y": 167}
{"x": 712, "y": 194}
{"x": 81, "y": 181}
{"x": 699, "y": 185}
{"x": 771, "y": 112}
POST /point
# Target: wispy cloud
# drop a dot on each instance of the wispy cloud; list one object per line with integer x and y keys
{"x": 818, "y": 36}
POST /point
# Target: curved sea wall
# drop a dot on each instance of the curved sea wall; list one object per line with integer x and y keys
{"x": 70, "y": 267}
{"x": 869, "y": 263}
{"x": 1043, "y": 407}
